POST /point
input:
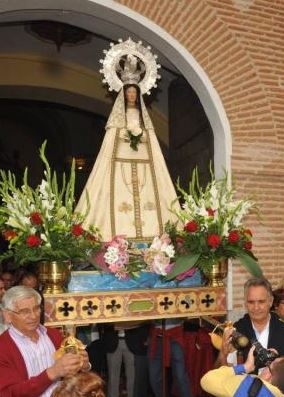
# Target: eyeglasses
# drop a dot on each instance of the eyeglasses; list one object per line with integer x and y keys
{"x": 26, "y": 312}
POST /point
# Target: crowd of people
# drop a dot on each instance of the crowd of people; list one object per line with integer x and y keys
{"x": 28, "y": 366}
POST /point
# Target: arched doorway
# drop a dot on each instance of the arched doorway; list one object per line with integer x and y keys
{"x": 84, "y": 14}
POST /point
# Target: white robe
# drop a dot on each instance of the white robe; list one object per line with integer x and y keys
{"x": 130, "y": 192}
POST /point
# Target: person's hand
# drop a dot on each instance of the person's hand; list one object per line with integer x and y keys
{"x": 68, "y": 364}
{"x": 250, "y": 364}
{"x": 226, "y": 347}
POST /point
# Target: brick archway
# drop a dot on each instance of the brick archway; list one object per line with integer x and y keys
{"x": 232, "y": 54}
{"x": 150, "y": 32}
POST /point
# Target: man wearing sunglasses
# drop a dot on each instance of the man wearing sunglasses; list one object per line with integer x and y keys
{"x": 27, "y": 365}
{"x": 235, "y": 381}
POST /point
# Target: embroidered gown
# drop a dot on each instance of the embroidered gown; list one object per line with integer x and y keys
{"x": 130, "y": 191}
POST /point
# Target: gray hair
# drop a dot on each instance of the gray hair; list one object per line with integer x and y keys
{"x": 258, "y": 282}
{"x": 18, "y": 293}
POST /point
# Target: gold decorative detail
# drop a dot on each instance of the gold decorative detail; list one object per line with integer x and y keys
{"x": 89, "y": 308}
{"x": 70, "y": 344}
{"x": 125, "y": 207}
{"x": 112, "y": 173}
{"x": 135, "y": 182}
{"x": 156, "y": 191}
{"x": 140, "y": 305}
{"x": 138, "y": 223}
{"x": 149, "y": 206}
{"x": 66, "y": 310}
{"x": 187, "y": 302}
{"x": 207, "y": 301}
{"x": 218, "y": 273}
{"x": 54, "y": 276}
{"x": 113, "y": 306}
{"x": 166, "y": 303}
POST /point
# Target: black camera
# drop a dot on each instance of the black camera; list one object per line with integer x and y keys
{"x": 263, "y": 357}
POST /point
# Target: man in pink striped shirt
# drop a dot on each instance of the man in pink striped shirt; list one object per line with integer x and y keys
{"x": 27, "y": 365}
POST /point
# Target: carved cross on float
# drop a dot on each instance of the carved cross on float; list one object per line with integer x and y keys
{"x": 65, "y": 309}
{"x": 166, "y": 303}
{"x": 113, "y": 307}
{"x": 187, "y": 301}
{"x": 208, "y": 301}
{"x": 90, "y": 307}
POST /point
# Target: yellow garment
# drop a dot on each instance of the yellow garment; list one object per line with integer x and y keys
{"x": 130, "y": 191}
{"x": 223, "y": 382}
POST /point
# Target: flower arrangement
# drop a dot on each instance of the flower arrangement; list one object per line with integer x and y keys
{"x": 212, "y": 228}
{"x": 159, "y": 255}
{"x": 40, "y": 223}
{"x": 134, "y": 137}
{"x": 124, "y": 261}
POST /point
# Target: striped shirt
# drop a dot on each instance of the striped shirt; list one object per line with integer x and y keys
{"x": 38, "y": 356}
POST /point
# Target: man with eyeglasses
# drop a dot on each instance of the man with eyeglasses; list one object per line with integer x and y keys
{"x": 235, "y": 381}
{"x": 27, "y": 365}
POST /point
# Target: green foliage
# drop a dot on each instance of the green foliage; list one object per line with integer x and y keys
{"x": 40, "y": 223}
{"x": 134, "y": 139}
{"x": 209, "y": 227}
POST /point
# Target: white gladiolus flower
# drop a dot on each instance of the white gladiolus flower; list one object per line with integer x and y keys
{"x": 25, "y": 220}
{"x": 214, "y": 204}
{"x": 226, "y": 229}
{"x": 214, "y": 192}
{"x": 13, "y": 222}
{"x": 185, "y": 206}
{"x": 202, "y": 211}
{"x": 43, "y": 237}
{"x": 43, "y": 187}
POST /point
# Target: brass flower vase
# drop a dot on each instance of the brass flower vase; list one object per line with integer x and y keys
{"x": 54, "y": 276}
{"x": 219, "y": 271}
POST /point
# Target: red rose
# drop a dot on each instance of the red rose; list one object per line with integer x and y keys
{"x": 191, "y": 226}
{"x": 77, "y": 230}
{"x": 33, "y": 240}
{"x": 36, "y": 218}
{"x": 234, "y": 237}
{"x": 9, "y": 234}
{"x": 214, "y": 240}
{"x": 248, "y": 245}
{"x": 210, "y": 212}
{"x": 248, "y": 232}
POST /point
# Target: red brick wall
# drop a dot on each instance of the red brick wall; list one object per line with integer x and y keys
{"x": 240, "y": 45}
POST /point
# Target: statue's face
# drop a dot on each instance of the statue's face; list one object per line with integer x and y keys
{"x": 131, "y": 96}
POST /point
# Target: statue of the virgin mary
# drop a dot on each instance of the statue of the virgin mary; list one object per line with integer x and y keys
{"x": 130, "y": 190}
